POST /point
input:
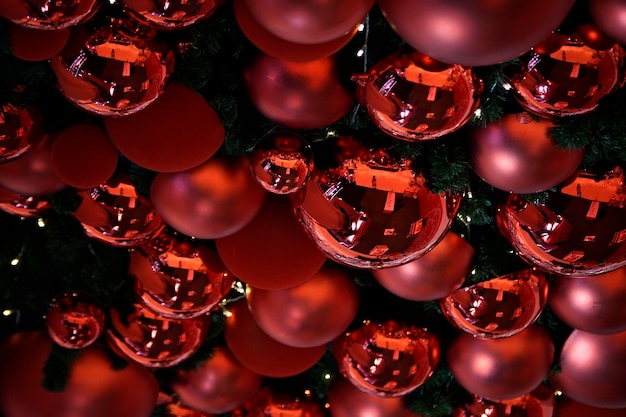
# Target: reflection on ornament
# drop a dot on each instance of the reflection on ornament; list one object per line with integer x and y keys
{"x": 281, "y": 162}
{"x": 413, "y": 97}
{"x": 155, "y": 341}
{"x": 566, "y": 80}
{"x": 372, "y": 210}
{"x": 114, "y": 213}
{"x": 173, "y": 14}
{"x": 183, "y": 282}
{"x": 387, "y": 359}
{"x": 580, "y": 230}
{"x": 22, "y": 206}
{"x": 74, "y": 321}
{"x": 119, "y": 71}
{"x": 174, "y": 409}
{"x": 266, "y": 403}
{"x": 500, "y": 307}
{"x": 49, "y": 14}
{"x": 539, "y": 403}
{"x": 20, "y": 130}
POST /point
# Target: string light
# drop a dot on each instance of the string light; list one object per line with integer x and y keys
{"x": 41, "y": 223}
{"x": 478, "y": 112}
{"x": 327, "y": 376}
{"x": 15, "y": 261}
{"x": 7, "y": 313}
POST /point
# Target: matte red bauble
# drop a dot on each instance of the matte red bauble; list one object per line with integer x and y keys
{"x": 21, "y": 129}
{"x": 155, "y": 341}
{"x": 475, "y": 33}
{"x": 566, "y": 407}
{"x": 568, "y": 81}
{"x": 591, "y": 369}
{"x": 310, "y": 314}
{"x": 74, "y": 320}
{"x": 433, "y": 275}
{"x": 259, "y": 352}
{"x": 517, "y": 154}
{"x": 499, "y": 307}
{"x": 272, "y": 252}
{"x": 218, "y": 385}
{"x": 186, "y": 281}
{"x": 94, "y": 388}
{"x": 118, "y": 71}
{"x": 372, "y": 210}
{"x": 36, "y": 45}
{"x": 116, "y": 214}
{"x": 413, "y": 98}
{"x": 49, "y": 14}
{"x": 212, "y": 200}
{"x": 280, "y": 48}
{"x": 594, "y": 304}
{"x": 170, "y": 14}
{"x": 309, "y": 21}
{"x": 387, "y": 359}
{"x": 502, "y": 368}
{"x": 609, "y": 16}
{"x": 578, "y": 230}
{"x": 298, "y": 95}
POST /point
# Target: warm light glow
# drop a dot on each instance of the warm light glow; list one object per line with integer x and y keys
{"x": 478, "y": 112}
{"x": 360, "y": 53}
{"x": 7, "y": 313}
{"x": 327, "y": 376}
{"x": 41, "y": 223}
{"x": 227, "y": 313}
{"x": 15, "y": 261}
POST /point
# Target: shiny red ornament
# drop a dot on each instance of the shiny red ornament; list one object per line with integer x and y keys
{"x": 177, "y": 410}
{"x": 580, "y": 230}
{"x": 259, "y": 352}
{"x": 210, "y": 201}
{"x": 272, "y": 252}
{"x": 309, "y": 314}
{"x": 591, "y": 369}
{"x": 49, "y": 14}
{"x": 74, "y": 320}
{"x": 568, "y": 81}
{"x": 412, "y": 97}
{"x": 609, "y": 16}
{"x": 309, "y": 21}
{"x": 21, "y": 129}
{"x": 277, "y": 404}
{"x": 118, "y": 71}
{"x": 280, "y": 48}
{"x": 36, "y": 45}
{"x": 155, "y": 341}
{"x": 282, "y": 162}
{"x": 371, "y": 210}
{"x": 593, "y": 37}
{"x": 179, "y": 131}
{"x": 499, "y": 307}
{"x": 298, "y": 95}
{"x": 593, "y": 304}
{"x": 539, "y": 403}
{"x": 94, "y": 388}
{"x": 186, "y": 281}
{"x": 83, "y": 156}
{"x": 22, "y": 206}
{"x": 218, "y": 385}
{"x": 32, "y": 174}
{"x": 433, "y": 275}
{"x": 517, "y": 154}
{"x": 502, "y": 368}
{"x": 116, "y": 214}
{"x": 475, "y": 33}
{"x": 387, "y": 359}
{"x": 177, "y": 14}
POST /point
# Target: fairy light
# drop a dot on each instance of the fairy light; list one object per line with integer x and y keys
{"x": 478, "y": 112}
{"x": 360, "y": 53}
{"x": 307, "y": 392}
{"x": 361, "y": 27}
{"x": 227, "y": 313}
{"x": 41, "y": 223}
{"x": 8, "y": 312}
{"x": 470, "y": 195}
{"x": 15, "y": 261}
{"x": 327, "y": 376}
{"x": 558, "y": 393}
{"x": 474, "y": 271}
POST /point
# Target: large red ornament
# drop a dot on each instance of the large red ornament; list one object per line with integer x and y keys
{"x": 177, "y": 132}
{"x": 517, "y": 154}
{"x": 21, "y": 129}
{"x": 94, "y": 388}
{"x": 49, "y": 14}
{"x": 280, "y": 48}
{"x": 259, "y": 352}
{"x": 74, "y": 320}
{"x": 175, "y": 14}
{"x": 475, "y": 33}
{"x": 499, "y": 307}
{"x": 218, "y": 385}
{"x": 579, "y": 230}
{"x": 212, "y": 200}
{"x": 594, "y": 304}
{"x": 502, "y": 368}
{"x": 610, "y": 16}
{"x": 310, "y": 314}
{"x": 298, "y": 95}
{"x": 155, "y": 341}
{"x": 433, "y": 275}
{"x": 309, "y": 21}
{"x": 272, "y": 252}
{"x": 412, "y": 97}
{"x": 591, "y": 369}
{"x": 387, "y": 359}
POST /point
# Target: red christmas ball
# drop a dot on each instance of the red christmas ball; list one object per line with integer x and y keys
{"x": 74, "y": 320}
{"x": 170, "y": 15}
{"x": 36, "y": 45}
{"x": 610, "y": 16}
{"x": 49, "y": 14}
{"x": 20, "y": 131}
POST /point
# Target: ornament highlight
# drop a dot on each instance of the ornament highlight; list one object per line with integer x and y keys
{"x": 608, "y": 15}
{"x": 74, "y": 320}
